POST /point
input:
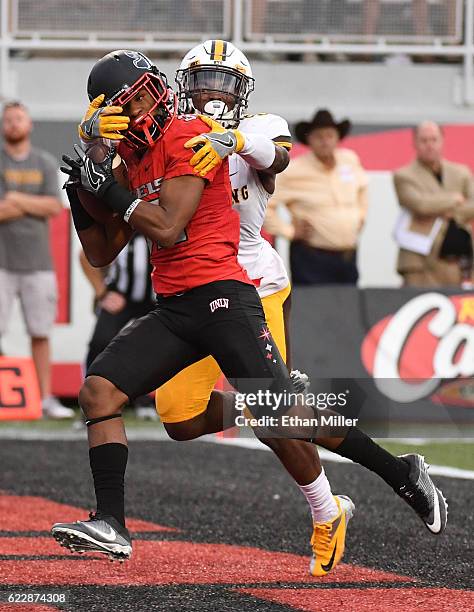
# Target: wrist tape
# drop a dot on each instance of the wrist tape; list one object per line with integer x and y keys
{"x": 121, "y": 200}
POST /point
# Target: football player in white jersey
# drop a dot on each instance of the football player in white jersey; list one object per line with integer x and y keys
{"x": 215, "y": 80}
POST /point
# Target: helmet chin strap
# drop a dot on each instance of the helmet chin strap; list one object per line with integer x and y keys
{"x": 148, "y": 136}
{"x": 144, "y": 124}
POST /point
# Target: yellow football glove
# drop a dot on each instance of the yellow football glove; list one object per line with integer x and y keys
{"x": 214, "y": 146}
{"x": 102, "y": 121}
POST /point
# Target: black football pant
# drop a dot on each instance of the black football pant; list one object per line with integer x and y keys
{"x": 108, "y": 325}
{"x": 224, "y": 319}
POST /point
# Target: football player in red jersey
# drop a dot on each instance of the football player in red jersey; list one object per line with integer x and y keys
{"x": 206, "y": 304}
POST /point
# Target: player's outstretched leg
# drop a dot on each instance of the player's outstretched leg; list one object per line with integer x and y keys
{"x": 330, "y": 513}
{"x": 104, "y": 531}
{"x": 407, "y": 475}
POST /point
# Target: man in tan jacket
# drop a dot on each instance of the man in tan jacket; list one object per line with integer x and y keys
{"x": 439, "y": 197}
{"x": 325, "y": 191}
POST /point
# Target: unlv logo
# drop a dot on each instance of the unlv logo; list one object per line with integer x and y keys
{"x": 430, "y": 339}
{"x": 139, "y": 60}
{"x": 219, "y": 303}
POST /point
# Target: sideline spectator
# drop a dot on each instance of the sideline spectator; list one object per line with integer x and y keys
{"x": 439, "y": 196}
{"x": 325, "y": 191}
{"x": 122, "y": 295}
{"x": 28, "y": 197}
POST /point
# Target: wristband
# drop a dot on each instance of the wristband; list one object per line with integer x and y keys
{"x": 80, "y": 217}
{"x": 258, "y": 151}
{"x": 130, "y": 209}
{"x": 118, "y": 198}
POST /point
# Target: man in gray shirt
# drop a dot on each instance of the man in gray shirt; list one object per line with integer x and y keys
{"x": 28, "y": 197}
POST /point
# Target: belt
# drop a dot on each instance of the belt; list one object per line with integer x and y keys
{"x": 344, "y": 254}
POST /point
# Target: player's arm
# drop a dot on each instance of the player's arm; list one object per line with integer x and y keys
{"x": 95, "y": 276}
{"x": 166, "y": 221}
{"x": 268, "y": 156}
{"x": 281, "y": 160}
{"x": 258, "y": 150}
{"x": 267, "y": 176}
{"x": 163, "y": 222}
{"x": 101, "y": 243}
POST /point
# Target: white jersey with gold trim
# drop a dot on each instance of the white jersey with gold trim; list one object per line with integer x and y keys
{"x": 262, "y": 263}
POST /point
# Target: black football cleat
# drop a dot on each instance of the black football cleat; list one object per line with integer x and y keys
{"x": 101, "y": 533}
{"x": 421, "y": 494}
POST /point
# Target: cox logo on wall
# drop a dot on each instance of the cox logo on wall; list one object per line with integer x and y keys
{"x": 425, "y": 350}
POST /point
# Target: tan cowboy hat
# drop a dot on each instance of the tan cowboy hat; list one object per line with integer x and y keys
{"x": 322, "y": 119}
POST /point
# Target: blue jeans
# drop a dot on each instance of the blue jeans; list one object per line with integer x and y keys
{"x": 313, "y": 266}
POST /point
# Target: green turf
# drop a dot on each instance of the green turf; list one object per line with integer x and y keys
{"x": 455, "y": 454}
{"x": 66, "y": 424}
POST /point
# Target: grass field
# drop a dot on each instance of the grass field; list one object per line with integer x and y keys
{"x": 453, "y": 453}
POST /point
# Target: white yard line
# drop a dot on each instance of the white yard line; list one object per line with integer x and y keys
{"x": 154, "y": 434}
{"x": 254, "y": 444}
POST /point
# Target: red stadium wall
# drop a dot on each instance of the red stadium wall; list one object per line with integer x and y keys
{"x": 66, "y": 377}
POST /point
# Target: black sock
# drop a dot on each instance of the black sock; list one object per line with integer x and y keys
{"x": 363, "y": 450}
{"x": 108, "y": 464}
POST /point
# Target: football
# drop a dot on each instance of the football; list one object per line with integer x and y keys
{"x": 98, "y": 209}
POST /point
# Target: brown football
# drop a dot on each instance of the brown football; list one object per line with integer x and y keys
{"x": 98, "y": 209}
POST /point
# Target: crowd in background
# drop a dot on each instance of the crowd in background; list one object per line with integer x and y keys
{"x": 325, "y": 192}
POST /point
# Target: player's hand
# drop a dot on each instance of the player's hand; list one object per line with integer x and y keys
{"x": 93, "y": 176}
{"x": 304, "y": 231}
{"x": 214, "y": 146}
{"x": 113, "y": 302}
{"x": 102, "y": 121}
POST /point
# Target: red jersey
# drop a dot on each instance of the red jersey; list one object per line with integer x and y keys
{"x": 207, "y": 250}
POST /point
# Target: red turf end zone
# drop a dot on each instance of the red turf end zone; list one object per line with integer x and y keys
{"x": 159, "y": 563}
{"x": 26, "y": 608}
{"x": 28, "y": 513}
{"x": 370, "y": 599}
{"x": 156, "y": 562}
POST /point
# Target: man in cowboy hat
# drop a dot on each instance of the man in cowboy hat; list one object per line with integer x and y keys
{"x": 325, "y": 191}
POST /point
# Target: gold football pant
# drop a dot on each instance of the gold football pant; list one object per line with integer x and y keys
{"x": 187, "y": 394}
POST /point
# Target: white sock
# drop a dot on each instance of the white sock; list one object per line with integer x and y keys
{"x": 320, "y": 499}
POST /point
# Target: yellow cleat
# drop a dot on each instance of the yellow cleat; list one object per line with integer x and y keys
{"x": 329, "y": 538}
